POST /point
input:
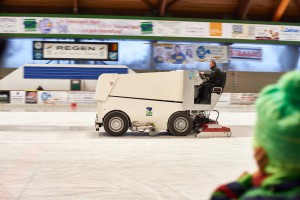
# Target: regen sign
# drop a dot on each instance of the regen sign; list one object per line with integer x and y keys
{"x": 79, "y": 48}
{"x": 75, "y": 51}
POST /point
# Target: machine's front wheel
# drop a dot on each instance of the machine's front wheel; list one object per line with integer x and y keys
{"x": 180, "y": 124}
{"x": 116, "y": 124}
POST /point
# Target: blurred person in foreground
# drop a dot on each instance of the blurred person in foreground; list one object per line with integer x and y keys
{"x": 276, "y": 147}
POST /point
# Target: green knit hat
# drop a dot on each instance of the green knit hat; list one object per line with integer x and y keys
{"x": 278, "y": 124}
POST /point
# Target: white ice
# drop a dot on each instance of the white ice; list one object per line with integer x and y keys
{"x": 58, "y": 155}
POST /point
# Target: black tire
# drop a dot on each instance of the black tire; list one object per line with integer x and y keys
{"x": 180, "y": 124}
{"x": 116, "y": 123}
{"x": 168, "y": 132}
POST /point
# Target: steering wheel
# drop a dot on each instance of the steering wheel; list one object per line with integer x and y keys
{"x": 204, "y": 78}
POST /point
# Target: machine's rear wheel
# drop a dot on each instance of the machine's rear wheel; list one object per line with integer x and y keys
{"x": 180, "y": 124}
{"x": 116, "y": 123}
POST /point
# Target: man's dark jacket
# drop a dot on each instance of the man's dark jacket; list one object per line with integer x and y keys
{"x": 215, "y": 77}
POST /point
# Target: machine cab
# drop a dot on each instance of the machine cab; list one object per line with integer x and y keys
{"x": 192, "y": 82}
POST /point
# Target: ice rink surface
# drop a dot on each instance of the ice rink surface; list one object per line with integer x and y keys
{"x": 54, "y": 152}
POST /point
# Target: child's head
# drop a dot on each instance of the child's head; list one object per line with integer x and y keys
{"x": 277, "y": 128}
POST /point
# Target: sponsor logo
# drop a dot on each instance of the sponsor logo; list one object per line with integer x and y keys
{"x": 38, "y": 45}
{"x": 191, "y": 74}
{"x": 246, "y": 53}
{"x": 113, "y": 55}
{"x": 29, "y": 24}
{"x": 149, "y": 111}
{"x": 114, "y": 47}
{"x": 215, "y": 29}
{"x": 31, "y": 97}
{"x": 3, "y": 96}
{"x": 147, "y": 27}
{"x": 201, "y": 52}
{"x": 38, "y": 55}
{"x": 45, "y": 26}
{"x": 237, "y": 29}
{"x": 8, "y": 20}
{"x": 62, "y": 28}
{"x": 291, "y": 30}
{"x": 45, "y": 96}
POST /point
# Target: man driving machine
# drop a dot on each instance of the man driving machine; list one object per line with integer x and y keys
{"x": 214, "y": 79}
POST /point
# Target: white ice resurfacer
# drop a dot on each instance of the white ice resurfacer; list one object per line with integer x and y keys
{"x": 154, "y": 102}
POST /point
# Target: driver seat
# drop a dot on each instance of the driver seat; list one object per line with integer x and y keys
{"x": 219, "y": 90}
